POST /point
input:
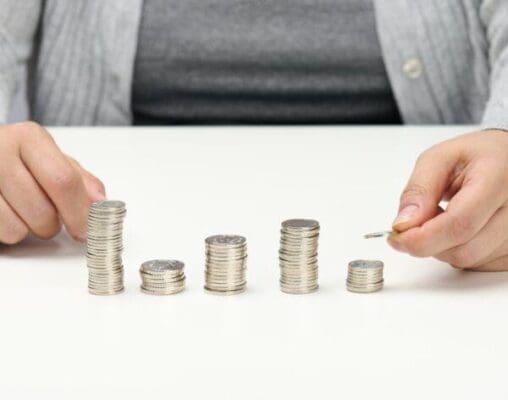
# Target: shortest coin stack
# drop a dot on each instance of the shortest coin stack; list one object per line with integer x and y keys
{"x": 226, "y": 264}
{"x": 365, "y": 276}
{"x": 298, "y": 256}
{"x": 162, "y": 277}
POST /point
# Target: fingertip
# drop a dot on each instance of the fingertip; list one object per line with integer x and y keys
{"x": 98, "y": 196}
{"x": 401, "y": 226}
{"x": 94, "y": 186}
{"x": 101, "y": 188}
{"x": 95, "y": 189}
{"x": 395, "y": 242}
{"x": 408, "y": 217}
{"x": 78, "y": 236}
{"x": 80, "y": 239}
{"x": 77, "y": 228}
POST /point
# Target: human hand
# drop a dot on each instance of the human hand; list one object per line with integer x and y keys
{"x": 40, "y": 187}
{"x": 471, "y": 172}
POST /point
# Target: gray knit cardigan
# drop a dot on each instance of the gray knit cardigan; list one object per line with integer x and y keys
{"x": 447, "y": 60}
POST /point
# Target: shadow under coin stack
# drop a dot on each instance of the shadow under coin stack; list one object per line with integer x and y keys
{"x": 226, "y": 264}
{"x": 365, "y": 276}
{"x": 298, "y": 256}
{"x": 105, "y": 246}
{"x": 162, "y": 277}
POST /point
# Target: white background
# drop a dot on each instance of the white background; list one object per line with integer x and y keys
{"x": 433, "y": 332}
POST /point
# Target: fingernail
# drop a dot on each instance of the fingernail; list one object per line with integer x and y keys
{"x": 406, "y": 214}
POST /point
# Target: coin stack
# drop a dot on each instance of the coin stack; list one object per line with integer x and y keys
{"x": 365, "y": 276}
{"x": 105, "y": 246}
{"x": 162, "y": 277}
{"x": 226, "y": 264}
{"x": 298, "y": 256}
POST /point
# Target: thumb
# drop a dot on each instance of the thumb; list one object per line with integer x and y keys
{"x": 431, "y": 175}
{"x": 94, "y": 186}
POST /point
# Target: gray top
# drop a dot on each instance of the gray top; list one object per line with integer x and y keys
{"x": 447, "y": 61}
{"x": 270, "y": 61}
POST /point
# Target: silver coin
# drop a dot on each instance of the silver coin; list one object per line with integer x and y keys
{"x": 225, "y": 292}
{"x": 365, "y": 276}
{"x": 377, "y": 234}
{"x": 297, "y": 290}
{"x": 226, "y": 240}
{"x": 166, "y": 292}
{"x": 365, "y": 288}
{"x": 225, "y": 264}
{"x": 299, "y": 223}
{"x": 298, "y": 256}
{"x": 105, "y": 246}
{"x": 366, "y": 264}
{"x": 162, "y": 266}
{"x": 108, "y": 204}
{"x": 104, "y": 292}
{"x": 162, "y": 277}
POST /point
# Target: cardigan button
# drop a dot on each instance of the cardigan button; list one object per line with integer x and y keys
{"x": 413, "y": 68}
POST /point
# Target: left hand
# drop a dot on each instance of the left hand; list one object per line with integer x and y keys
{"x": 471, "y": 173}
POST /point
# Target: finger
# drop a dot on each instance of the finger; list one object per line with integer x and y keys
{"x": 94, "y": 186}
{"x": 393, "y": 239}
{"x": 468, "y": 212}
{"x": 58, "y": 178}
{"x": 21, "y": 191}
{"x": 482, "y": 247}
{"x": 496, "y": 265}
{"x": 424, "y": 190}
{"x": 496, "y": 260}
{"x": 12, "y": 229}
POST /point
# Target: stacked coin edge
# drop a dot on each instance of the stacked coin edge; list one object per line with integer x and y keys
{"x": 162, "y": 277}
{"x": 365, "y": 276}
{"x": 105, "y": 246}
{"x": 226, "y": 264}
{"x": 298, "y": 256}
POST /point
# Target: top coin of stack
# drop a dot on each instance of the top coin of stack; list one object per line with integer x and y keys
{"x": 162, "y": 277}
{"x": 105, "y": 246}
{"x": 226, "y": 264}
{"x": 298, "y": 256}
{"x": 365, "y": 276}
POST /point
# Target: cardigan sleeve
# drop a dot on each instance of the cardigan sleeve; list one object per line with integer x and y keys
{"x": 18, "y": 24}
{"x": 494, "y": 14}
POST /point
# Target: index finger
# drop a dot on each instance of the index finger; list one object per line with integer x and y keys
{"x": 58, "y": 178}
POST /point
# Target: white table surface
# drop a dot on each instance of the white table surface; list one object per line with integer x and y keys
{"x": 432, "y": 333}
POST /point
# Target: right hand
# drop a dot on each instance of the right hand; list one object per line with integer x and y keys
{"x": 40, "y": 187}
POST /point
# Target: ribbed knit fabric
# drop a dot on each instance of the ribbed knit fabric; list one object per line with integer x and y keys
{"x": 85, "y": 61}
{"x": 494, "y": 13}
{"x": 18, "y": 22}
{"x": 448, "y": 40}
{"x": 269, "y": 62}
{"x": 86, "y": 52}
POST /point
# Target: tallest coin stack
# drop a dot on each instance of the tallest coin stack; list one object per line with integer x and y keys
{"x": 105, "y": 246}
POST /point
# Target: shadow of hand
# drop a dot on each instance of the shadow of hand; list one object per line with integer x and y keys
{"x": 61, "y": 246}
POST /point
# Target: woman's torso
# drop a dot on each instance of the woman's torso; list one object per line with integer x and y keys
{"x": 85, "y": 55}
{"x": 273, "y": 61}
